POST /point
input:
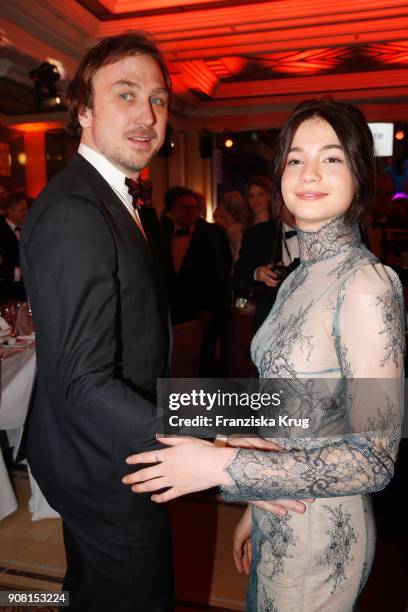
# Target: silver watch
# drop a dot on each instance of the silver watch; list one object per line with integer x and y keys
{"x": 241, "y": 302}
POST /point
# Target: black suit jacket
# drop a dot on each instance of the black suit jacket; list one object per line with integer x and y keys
{"x": 202, "y": 283}
{"x": 260, "y": 244}
{"x": 9, "y": 259}
{"x": 102, "y": 341}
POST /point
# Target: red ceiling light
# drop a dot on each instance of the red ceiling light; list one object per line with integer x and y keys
{"x": 389, "y": 53}
{"x": 37, "y": 126}
{"x": 304, "y": 62}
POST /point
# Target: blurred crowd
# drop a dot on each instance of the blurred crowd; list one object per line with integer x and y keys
{"x": 225, "y": 273}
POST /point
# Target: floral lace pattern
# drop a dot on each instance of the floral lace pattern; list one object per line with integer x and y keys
{"x": 338, "y": 552}
{"x": 276, "y": 359}
{"x": 392, "y": 316}
{"x": 357, "y": 254}
{"x": 332, "y": 238}
{"x": 273, "y": 543}
{"x": 268, "y": 603}
{"x": 290, "y": 284}
{"x": 358, "y": 452}
{"x": 354, "y": 464}
{"x": 339, "y": 316}
{"x": 276, "y": 549}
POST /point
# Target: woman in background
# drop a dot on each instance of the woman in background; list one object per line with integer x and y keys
{"x": 258, "y": 199}
{"x": 334, "y": 340}
{"x": 234, "y": 215}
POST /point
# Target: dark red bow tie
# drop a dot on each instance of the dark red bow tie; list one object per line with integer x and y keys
{"x": 135, "y": 190}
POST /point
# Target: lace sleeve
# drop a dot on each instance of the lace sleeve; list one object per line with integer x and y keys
{"x": 368, "y": 335}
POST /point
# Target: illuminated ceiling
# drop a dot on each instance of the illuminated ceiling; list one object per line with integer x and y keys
{"x": 242, "y": 63}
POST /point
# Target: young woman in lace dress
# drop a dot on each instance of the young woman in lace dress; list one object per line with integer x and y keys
{"x": 336, "y": 335}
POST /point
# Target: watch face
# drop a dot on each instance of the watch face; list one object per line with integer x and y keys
{"x": 241, "y": 302}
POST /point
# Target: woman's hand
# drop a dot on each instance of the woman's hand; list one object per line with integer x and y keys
{"x": 187, "y": 465}
{"x": 242, "y": 548}
{"x": 280, "y": 507}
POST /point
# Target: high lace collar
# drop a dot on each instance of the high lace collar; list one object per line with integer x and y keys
{"x": 331, "y": 239}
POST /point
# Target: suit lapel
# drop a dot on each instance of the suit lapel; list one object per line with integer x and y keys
{"x": 118, "y": 213}
{"x": 192, "y": 252}
{"x": 128, "y": 230}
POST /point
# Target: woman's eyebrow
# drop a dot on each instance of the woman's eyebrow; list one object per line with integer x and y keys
{"x": 331, "y": 146}
{"x": 324, "y": 148}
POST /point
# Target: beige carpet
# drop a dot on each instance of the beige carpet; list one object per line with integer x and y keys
{"x": 32, "y": 555}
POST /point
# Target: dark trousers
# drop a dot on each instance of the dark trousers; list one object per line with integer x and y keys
{"x": 119, "y": 568}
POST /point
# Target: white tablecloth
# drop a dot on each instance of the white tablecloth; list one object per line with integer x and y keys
{"x": 17, "y": 377}
{"x": 8, "y": 501}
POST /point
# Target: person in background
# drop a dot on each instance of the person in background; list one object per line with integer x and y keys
{"x": 10, "y": 231}
{"x": 258, "y": 199}
{"x": 218, "y": 217}
{"x": 233, "y": 214}
{"x": 197, "y": 264}
{"x": 166, "y": 220}
{"x": 270, "y": 250}
{"x": 202, "y": 204}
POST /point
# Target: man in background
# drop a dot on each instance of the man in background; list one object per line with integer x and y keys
{"x": 11, "y": 283}
{"x": 197, "y": 263}
{"x": 269, "y": 251}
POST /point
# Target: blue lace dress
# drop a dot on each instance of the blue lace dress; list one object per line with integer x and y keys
{"x": 336, "y": 333}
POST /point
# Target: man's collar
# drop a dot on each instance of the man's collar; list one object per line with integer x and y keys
{"x": 114, "y": 176}
{"x": 11, "y": 224}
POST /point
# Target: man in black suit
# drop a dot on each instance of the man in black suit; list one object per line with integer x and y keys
{"x": 264, "y": 246}
{"x": 11, "y": 284}
{"x": 197, "y": 263}
{"x": 102, "y": 334}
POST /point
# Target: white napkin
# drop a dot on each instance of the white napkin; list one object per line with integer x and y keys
{"x": 4, "y": 327}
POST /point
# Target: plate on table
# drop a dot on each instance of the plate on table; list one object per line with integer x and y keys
{"x": 5, "y": 331}
{"x": 28, "y": 338}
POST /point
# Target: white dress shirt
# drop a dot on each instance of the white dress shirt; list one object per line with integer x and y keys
{"x": 114, "y": 177}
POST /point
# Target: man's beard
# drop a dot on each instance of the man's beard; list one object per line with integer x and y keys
{"x": 127, "y": 161}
